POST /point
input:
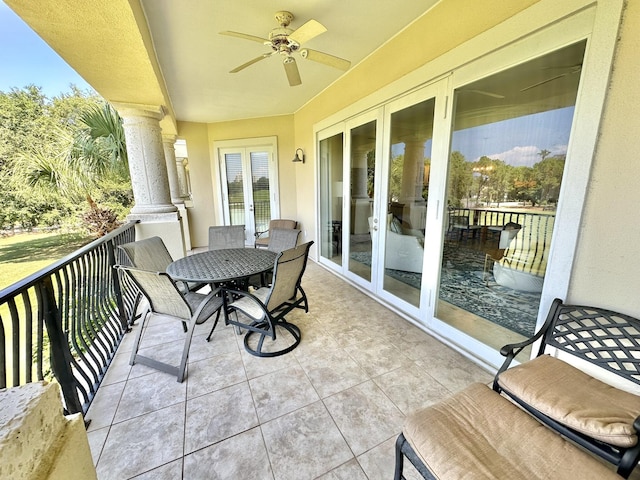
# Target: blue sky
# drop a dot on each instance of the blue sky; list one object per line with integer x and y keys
{"x": 518, "y": 141}
{"x": 26, "y": 59}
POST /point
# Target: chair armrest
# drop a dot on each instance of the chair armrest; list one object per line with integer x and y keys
{"x": 258, "y": 234}
{"x": 236, "y": 295}
{"x": 510, "y": 351}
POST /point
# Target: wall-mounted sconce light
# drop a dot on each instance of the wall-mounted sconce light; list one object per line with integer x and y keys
{"x": 299, "y": 158}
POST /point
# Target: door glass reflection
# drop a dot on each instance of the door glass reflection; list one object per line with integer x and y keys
{"x": 508, "y": 150}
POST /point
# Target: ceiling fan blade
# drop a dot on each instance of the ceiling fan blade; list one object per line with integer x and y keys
{"x": 291, "y": 69}
{"x": 253, "y": 38}
{"x": 306, "y": 32}
{"x": 250, "y": 62}
{"x": 325, "y": 58}
{"x": 544, "y": 81}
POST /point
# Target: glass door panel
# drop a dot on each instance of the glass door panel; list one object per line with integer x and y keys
{"x": 331, "y": 193}
{"x": 261, "y": 190}
{"x": 406, "y": 208}
{"x": 362, "y": 182}
{"x": 508, "y": 147}
{"x": 234, "y": 181}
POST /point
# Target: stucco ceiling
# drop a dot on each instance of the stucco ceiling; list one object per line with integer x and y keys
{"x": 195, "y": 59}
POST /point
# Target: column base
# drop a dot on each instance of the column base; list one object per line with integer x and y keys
{"x": 151, "y": 209}
{"x": 167, "y": 226}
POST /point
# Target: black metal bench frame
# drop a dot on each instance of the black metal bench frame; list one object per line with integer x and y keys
{"x": 607, "y": 339}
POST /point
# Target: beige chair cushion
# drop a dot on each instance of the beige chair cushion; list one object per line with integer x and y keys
{"x": 573, "y": 398}
{"x": 478, "y": 434}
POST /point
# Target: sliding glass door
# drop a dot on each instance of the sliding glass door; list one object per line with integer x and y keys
{"x": 508, "y": 148}
{"x": 446, "y": 205}
{"x": 403, "y": 222}
{"x": 331, "y": 151}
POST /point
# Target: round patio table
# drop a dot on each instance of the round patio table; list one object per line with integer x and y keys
{"x": 219, "y": 266}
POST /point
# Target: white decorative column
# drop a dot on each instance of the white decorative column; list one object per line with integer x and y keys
{"x": 168, "y": 142}
{"x": 149, "y": 178}
{"x": 183, "y": 184}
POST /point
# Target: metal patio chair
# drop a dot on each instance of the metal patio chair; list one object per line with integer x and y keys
{"x": 150, "y": 254}
{"x": 281, "y": 239}
{"x": 227, "y": 236}
{"x": 265, "y": 309}
{"x": 262, "y": 238}
{"x": 165, "y": 298}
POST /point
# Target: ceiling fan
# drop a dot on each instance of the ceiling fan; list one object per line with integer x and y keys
{"x": 285, "y": 41}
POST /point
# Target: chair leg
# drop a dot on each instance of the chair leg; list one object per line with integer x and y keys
{"x": 404, "y": 449}
{"x": 399, "y": 458}
{"x": 185, "y": 351}
{"x": 215, "y": 323}
{"x": 289, "y": 327}
{"x": 136, "y": 344}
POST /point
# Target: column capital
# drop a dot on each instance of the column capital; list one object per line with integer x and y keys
{"x": 169, "y": 138}
{"x": 125, "y": 110}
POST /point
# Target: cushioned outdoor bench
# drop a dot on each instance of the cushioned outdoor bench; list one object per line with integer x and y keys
{"x": 479, "y": 434}
{"x": 519, "y": 429}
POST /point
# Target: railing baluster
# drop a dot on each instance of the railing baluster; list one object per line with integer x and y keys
{"x": 60, "y": 354}
{"x": 3, "y": 356}
{"x": 80, "y": 307}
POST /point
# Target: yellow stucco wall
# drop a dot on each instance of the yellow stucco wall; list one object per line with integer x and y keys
{"x": 200, "y": 140}
{"x": 607, "y": 264}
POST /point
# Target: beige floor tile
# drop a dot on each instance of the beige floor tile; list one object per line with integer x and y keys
{"x": 453, "y": 370}
{"x": 411, "y": 388}
{"x": 365, "y": 416}
{"x": 170, "y": 471}
{"x": 143, "y": 443}
{"x": 258, "y": 366}
{"x": 221, "y": 343}
{"x": 332, "y": 372}
{"x": 118, "y": 370}
{"x": 377, "y": 357}
{"x": 149, "y": 393}
{"x": 379, "y": 462}
{"x": 104, "y": 406}
{"x": 214, "y": 373}
{"x": 240, "y": 457}
{"x": 304, "y": 444}
{"x": 347, "y": 471}
{"x": 96, "y": 442}
{"x": 282, "y": 392}
{"x": 161, "y": 332}
{"x": 219, "y": 415}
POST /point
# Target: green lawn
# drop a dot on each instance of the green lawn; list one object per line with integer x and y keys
{"x": 24, "y": 254}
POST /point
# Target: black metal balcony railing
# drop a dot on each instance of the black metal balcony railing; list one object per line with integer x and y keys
{"x": 261, "y": 213}
{"x": 66, "y": 321}
{"x": 533, "y": 243}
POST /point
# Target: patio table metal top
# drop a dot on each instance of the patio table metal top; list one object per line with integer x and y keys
{"x": 217, "y": 266}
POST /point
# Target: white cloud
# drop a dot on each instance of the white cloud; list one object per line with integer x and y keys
{"x": 525, "y": 156}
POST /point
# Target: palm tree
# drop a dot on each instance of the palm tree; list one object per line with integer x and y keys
{"x": 75, "y": 166}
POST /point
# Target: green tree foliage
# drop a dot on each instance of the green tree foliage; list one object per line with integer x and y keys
{"x": 55, "y": 154}
{"x": 460, "y": 179}
{"x": 489, "y": 181}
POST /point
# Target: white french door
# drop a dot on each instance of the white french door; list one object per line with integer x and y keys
{"x": 248, "y": 185}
